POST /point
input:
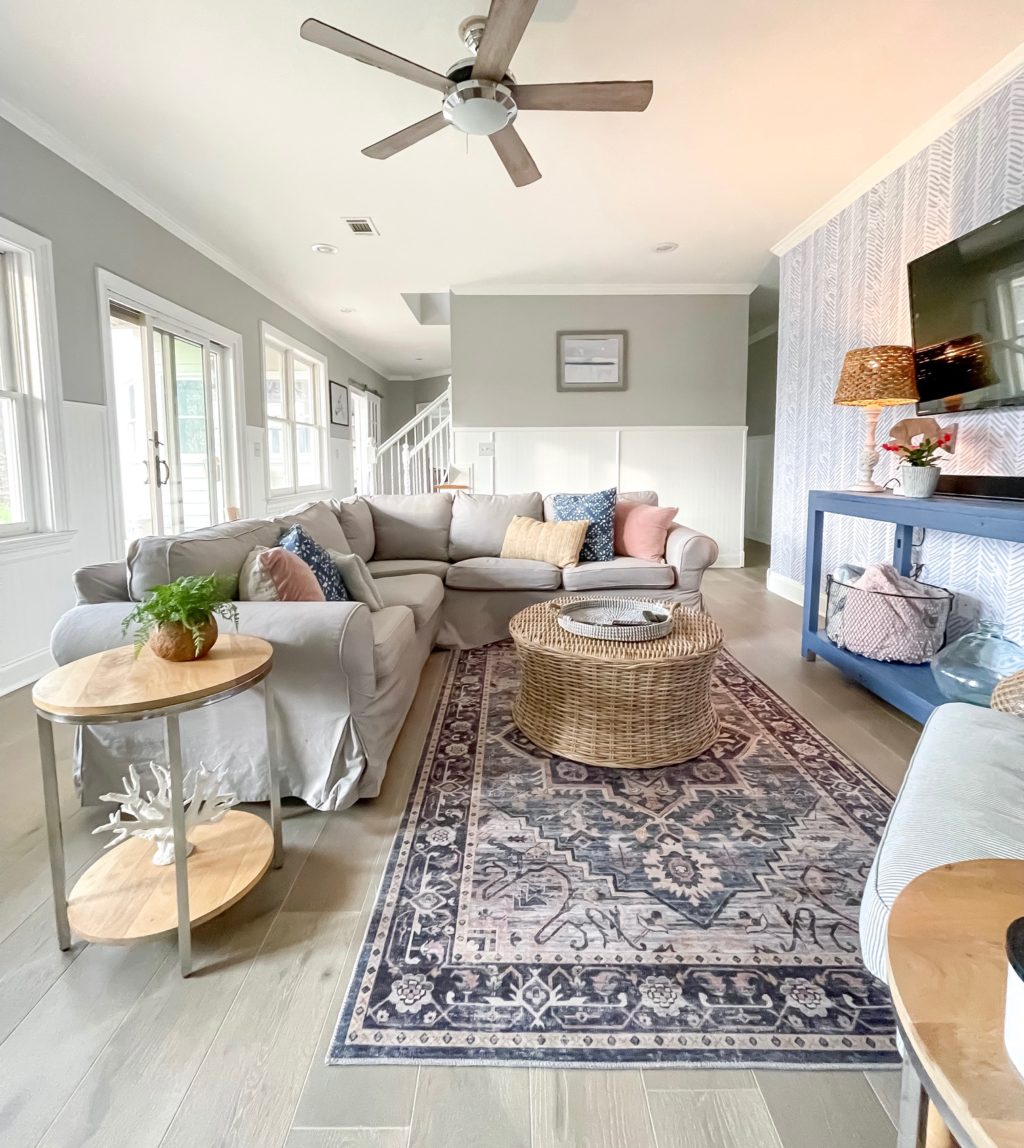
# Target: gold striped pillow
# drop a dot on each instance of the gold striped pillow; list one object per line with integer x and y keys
{"x": 559, "y": 543}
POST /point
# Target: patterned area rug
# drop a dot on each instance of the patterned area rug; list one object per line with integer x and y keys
{"x": 705, "y": 913}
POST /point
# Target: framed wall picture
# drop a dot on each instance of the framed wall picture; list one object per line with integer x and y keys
{"x": 591, "y": 360}
{"x": 339, "y": 404}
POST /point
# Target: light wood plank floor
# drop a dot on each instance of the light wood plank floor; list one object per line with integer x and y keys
{"x": 108, "y": 1046}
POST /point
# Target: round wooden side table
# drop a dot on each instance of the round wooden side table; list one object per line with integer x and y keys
{"x": 948, "y": 972}
{"x": 123, "y": 896}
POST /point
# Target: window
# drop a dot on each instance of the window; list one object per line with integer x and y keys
{"x": 31, "y": 487}
{"x": 295, "y": 382}
{"x": 177, "y": 414}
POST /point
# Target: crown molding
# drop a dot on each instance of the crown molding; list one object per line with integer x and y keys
{"x": 763, "y": 333}
{"x": 603, "y": 289}
{"x": 906, "y": 149}
{"x": 48, "y": 136}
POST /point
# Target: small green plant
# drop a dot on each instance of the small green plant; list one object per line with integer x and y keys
{"x": 190, "y": 601}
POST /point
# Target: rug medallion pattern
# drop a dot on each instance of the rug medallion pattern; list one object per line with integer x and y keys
{"x": 705, "y": 913}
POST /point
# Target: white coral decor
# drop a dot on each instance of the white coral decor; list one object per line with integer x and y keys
{"x": 150, "y": 813}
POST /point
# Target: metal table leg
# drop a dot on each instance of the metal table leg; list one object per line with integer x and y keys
{"x": 274, "y": 778}
{"x": 172, "y": 741}
{"x": 54, "y": 831}
{"x": 913, "y": 1109}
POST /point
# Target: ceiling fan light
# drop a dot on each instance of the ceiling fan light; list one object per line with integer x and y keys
{"x": 479, "y": 107}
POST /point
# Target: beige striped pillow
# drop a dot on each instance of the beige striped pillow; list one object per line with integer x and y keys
{"x": 559, "y": 543}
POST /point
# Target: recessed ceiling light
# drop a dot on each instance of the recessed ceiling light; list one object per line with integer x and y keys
{"x": 346, "y": 310}
{"x": 664, "y": 248}
{"x": 325, "y": 249}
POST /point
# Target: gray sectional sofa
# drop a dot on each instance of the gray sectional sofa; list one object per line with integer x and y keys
{"x": 344, "y": 675}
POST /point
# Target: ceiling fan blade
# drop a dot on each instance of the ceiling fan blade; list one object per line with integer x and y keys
{"x": 393, "y": 144}
{"x": 513, "y": 154}
{"x": 603, "y": 96}
{"x": 319, "y": 33}
{"x": 506, "y": 23}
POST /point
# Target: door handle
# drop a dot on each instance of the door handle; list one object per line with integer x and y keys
{"x": 167, "y": 472}
{"x": 145, "y": 463}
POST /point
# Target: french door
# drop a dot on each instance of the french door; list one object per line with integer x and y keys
{"x": 366, "y": 420}
{"x": 171, "y": 391}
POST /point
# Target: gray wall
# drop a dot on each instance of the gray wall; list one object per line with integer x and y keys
{"x": 91, "y": 227}
{"x": 762, "y": 361}
{"x": 686, "y": 360}
{"x": 402, "y": 395}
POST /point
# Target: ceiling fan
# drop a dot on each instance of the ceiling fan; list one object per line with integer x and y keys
{"x": 480, "y": 95}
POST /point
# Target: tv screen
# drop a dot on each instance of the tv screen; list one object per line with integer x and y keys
{"x": 967, "y": 304}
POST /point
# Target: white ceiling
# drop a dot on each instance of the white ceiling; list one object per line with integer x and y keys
{"x": 248, "y": 137}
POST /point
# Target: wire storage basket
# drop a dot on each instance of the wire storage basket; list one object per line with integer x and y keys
{"x": 887, "y": 627}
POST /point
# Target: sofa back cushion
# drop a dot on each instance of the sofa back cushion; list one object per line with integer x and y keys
{"x": 480, "y": 521}
{"x": 411, "y": 525}
{"x": 647, "y": 497}
{"x": 357, "y": 525}
{"x": 320, "y": 522}
{"x": 221, "y": 550}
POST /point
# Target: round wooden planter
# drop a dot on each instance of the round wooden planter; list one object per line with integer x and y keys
{"x": 174, "y": 643}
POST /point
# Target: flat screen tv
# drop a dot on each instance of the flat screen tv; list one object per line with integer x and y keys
{"x": 967, "y": 304}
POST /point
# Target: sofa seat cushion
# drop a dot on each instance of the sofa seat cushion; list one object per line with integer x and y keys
{"x": 422, "y": 593}
{"x": 411, "y": 525}
{"x": 393, "y": 567}
{"x": 480, "y": 521}
{"x": 503, "y": 574}
{"x": 619, "y": 574}
{"x": 962, "y": 799}
{"x": 394, "y": 629}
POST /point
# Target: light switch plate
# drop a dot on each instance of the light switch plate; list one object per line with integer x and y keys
{"x": 485, "y": 450}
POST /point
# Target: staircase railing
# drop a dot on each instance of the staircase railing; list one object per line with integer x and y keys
{"x": 418, "y": 456}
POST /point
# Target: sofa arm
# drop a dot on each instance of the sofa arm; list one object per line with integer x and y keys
{"x": 104, "y": 582}
{"x": 311, "y": 640}
{"x": 691, "y": 553}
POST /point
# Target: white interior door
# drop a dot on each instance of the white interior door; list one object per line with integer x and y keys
{"x": 366, "y": 420}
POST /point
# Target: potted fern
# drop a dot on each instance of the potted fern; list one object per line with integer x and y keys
{"x": 178, "y": 621}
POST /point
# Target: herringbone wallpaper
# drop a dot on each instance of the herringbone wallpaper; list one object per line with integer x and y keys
{"x": 846, "y": 286}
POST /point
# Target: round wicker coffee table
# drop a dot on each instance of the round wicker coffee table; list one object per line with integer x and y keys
{"x": 631, "y": 705}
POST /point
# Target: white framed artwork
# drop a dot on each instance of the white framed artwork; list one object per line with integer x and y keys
{"x": 591, "y": 360}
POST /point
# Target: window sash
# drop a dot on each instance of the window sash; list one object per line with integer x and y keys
{"x": 17, "y": 515}
{"x": 290, "y": 426}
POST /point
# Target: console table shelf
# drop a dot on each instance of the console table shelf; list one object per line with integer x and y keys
{"x": 909, "y": 688}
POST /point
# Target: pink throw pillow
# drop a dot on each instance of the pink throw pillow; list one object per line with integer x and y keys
{"x": 641, "y": 530}
{"x": 277, "y": 575}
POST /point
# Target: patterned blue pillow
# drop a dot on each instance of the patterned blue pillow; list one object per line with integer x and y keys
{"x": 318, "y": 560}
{"x": 599, "y": 510}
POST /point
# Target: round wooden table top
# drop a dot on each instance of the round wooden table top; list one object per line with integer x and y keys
{"x": 948, "y": 970}
{"x": 115, "y": 682}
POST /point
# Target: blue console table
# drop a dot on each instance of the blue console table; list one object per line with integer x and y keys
{"x": 909, "y": 688}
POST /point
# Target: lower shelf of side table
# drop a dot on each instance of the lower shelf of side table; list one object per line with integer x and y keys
{"x": 124, "y": 897}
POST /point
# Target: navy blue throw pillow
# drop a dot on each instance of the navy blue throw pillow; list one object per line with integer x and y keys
{"x": 299, "y": 543}
{"x": 599, "y": 510}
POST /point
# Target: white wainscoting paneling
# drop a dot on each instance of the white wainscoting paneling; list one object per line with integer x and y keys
{"x": 35, "y": 587}
{"x": 698, "y": 469}
{"x": 760, "y": 461}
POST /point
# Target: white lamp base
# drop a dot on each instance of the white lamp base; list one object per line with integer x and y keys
{"x": 865, "y": 484}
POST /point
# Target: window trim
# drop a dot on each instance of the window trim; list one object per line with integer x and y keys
{"x": 278, "y": 497}
{"x": 111, "y": 288}
{"x": 45, "y": 486}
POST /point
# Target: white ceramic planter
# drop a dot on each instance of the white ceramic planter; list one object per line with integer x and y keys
{"x": 918, "y": 481}
{"x": 1013, "y": 1031}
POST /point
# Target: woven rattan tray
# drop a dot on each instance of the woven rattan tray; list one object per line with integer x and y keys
{"x": 596, "y": 618}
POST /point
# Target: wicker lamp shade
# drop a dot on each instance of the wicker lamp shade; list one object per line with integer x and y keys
{"x": 877, "y": 377}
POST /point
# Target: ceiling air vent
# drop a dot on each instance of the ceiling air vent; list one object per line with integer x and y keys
{"x": 361, "y": 225}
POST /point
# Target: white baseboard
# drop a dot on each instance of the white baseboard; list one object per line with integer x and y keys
{"x": 788, "y": 588}
{"x": 731, "y": 561}
{"x": 14, "y": 675}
